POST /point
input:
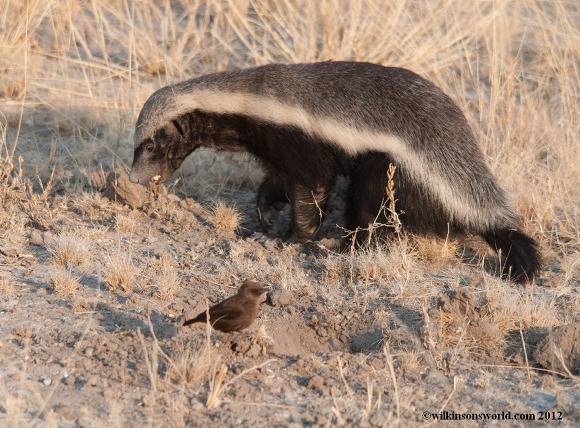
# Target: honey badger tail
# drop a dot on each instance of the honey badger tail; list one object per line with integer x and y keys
{"x": 520, "y": 256}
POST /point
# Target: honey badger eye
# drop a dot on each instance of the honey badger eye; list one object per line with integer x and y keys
{"x": 149, "y": 146}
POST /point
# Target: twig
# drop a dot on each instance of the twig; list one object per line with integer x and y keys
{"x": 147, "y": 361}
{"x": 450, "y": 395}
{"x": 387, "y": 353}
{"x": 232, "y": 380}
{"x": 525, "y": 352}
{"x": 340, "y": 371}
{"x": 507, "y": 366}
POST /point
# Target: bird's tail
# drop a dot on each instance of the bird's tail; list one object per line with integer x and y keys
{"x": 519, "y": 253}
{"x": 200, "y": 318}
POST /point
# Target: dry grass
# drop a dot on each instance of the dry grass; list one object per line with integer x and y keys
{"x": 168, "y": 280}
{"x": 120, "y": 273}
{"x": 437, "y": 252}
{"x": 126, "y": 222}
{"x": 7, "y": 285}
{"x": 224, "y": 217}
{"x": 190, "y": 367}
{"x": 70, "y": 249}
{"x": 63, "y": 281}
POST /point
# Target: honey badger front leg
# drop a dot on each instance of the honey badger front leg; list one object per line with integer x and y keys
{"x": 308, "y": 205}
{"x": 272, "y": 195}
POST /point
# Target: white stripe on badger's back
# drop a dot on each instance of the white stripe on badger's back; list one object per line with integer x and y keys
{"x": 350, "y": 138}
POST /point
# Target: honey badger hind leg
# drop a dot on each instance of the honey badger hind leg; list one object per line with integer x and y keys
{"x": 271, "y": 198}
{"x": 416, "y": 211}
{"x": 519, "y": 254}
{"x": 366, "y": 194}
{"x": 308, "y": 210}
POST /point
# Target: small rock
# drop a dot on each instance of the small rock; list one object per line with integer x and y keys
{"x": 316, "y": 382}
{"x": 174, "y": 198}
{"x": 47, "y": 381}
{"x": 36, "y": 238}
{"x": 279, "y": 297}
{"x": 92, "y": 381}
{"x": 241, "y": 344}
{"x": 89, "y": 352}
{"x": 322, "y": 421}
{"x": 47, "y": 238}
{"x": 564, "y": 340}
{"x": 254, "y": 351}
{"x": 122, "y": 189}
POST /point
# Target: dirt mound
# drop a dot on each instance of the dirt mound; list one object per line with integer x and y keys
{"x": 293, "y": 337}
{"x": 118, "y": 187}
{"x": 560, "y": 347}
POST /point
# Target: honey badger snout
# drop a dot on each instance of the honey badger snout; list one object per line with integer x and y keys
{"x": 133, "y": 177}
{"x": 144, "y": 171}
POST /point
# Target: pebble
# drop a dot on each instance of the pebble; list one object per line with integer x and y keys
{"x": 47, "y": 238}
{"x": 316, "y": 382}
{"x": 36, "y": 238}
{"x": 47, "y": 381}
{"x": 280, "y": 297}
{"x": 93, "y": 380}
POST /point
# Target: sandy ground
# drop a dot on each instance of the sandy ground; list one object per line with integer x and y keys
{"x": 350, "y": 340}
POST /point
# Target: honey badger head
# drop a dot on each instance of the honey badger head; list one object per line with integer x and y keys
{"x": 156, "y": 157}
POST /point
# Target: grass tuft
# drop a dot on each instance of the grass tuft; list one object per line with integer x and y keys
{"x": 63, "y": 281}
{"x": 120, "y": 272}
{"x": 224, "y": 217}
{"x": 68, "y": 249}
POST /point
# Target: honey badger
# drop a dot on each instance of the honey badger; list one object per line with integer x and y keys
{"x": 309, "y": 123}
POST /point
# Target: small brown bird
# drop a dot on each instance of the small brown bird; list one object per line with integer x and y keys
{"x": 237, "y": 312}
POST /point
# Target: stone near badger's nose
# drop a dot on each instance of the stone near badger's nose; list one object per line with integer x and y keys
{"x": 133, "y": 177}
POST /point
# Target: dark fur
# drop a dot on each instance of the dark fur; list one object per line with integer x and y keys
{"x": 519, "y": 254}
{"x": 301, "y": 168}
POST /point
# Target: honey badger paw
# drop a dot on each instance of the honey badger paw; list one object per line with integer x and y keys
{"x": 315, "y": 248}
{"x": 270, "y": 201}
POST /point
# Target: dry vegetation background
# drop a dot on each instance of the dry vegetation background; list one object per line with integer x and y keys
{"x": 84, "y": 281}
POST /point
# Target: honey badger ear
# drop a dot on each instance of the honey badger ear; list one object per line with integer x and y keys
{"x": 175, "y": 126}
{"x": 170, "y": 130}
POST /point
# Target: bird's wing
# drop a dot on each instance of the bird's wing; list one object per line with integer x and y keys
{"x": 225, "y": 311}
